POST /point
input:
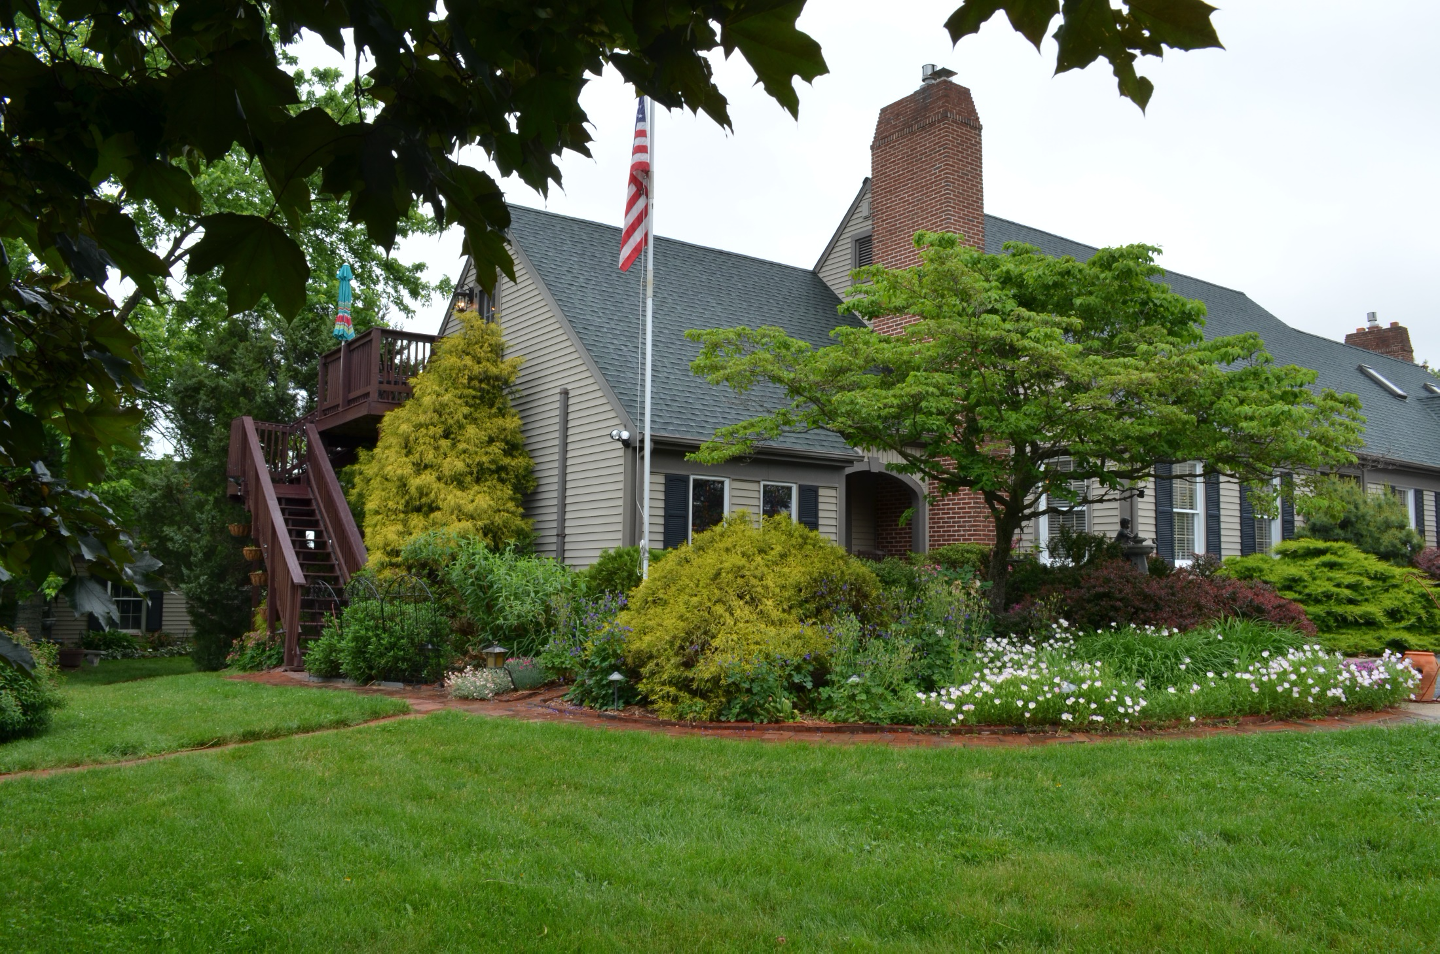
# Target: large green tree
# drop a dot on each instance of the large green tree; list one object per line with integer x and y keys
{"x": 1015, "y": 361}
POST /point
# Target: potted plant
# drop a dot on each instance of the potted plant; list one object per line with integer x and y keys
{"x": 254, "y": 554}
{"x": 239, "y": 529}
{"x": 1426, "y": 665}
{"x": 257, "y": 577}
{"x": 71, "y": 657}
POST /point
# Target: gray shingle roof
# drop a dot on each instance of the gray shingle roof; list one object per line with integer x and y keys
{"x": 1396, "y": 429}
{"x": 695, "y": 287}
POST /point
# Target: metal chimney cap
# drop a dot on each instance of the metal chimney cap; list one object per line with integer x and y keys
{"x": 1372, "y": 318}
{"x": 930, "y": 73}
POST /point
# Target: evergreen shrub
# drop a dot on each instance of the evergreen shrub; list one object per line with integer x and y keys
{"x": 509, "y": 597}
{"x": 737, "y": 600}
{"x": 1357, "y": 601}
{"x": 27, "y": 698}
{"x": 1341, "y": 510}
{"x": 453, "y": 456}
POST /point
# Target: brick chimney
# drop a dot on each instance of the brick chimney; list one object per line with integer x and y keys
{"x": 925, "y": 169}
{"x": 1393, "y": 342}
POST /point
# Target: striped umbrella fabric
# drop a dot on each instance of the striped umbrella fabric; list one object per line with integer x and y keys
{"x": 636, "y": 231}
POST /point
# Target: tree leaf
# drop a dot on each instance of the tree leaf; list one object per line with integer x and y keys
{"x": 1030, "y": 18}
{"x": 257, "y": 258}
{"x": 1180, "y": 24}
{"x": 167, "y": 186}
{"x": 765, "y": 34}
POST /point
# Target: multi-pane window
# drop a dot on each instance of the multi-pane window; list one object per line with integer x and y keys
{"x": 1406, "y": 496}
{"x": 777, "y": 499}
{"x": 707, "y": 503}
{"x": 130, "y": 607}
{"x": 1188, "y": 528}
{"x": 1075, "y": 516}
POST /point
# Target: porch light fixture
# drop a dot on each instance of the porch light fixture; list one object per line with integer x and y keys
{"x": 494, "y": 656}
{"x": 621, "y": 435}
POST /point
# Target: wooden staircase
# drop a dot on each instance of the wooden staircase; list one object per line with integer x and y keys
{"x": 284, "y": 475}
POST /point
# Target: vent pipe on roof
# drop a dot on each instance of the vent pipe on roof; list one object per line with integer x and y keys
{"x": 930, "y": 73}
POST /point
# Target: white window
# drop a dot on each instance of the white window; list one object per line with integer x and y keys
{"x": 709, "y": 502}
{"x": 1189, "y": 515}
{"x": 130, "y": 608}
{"x": 777, "y": 499}
{"x": 1267, "y": 529}
{"x": 1075, "y": 516}
{"x": 1407, "y": 497}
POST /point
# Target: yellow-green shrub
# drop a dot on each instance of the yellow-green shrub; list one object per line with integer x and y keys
{"x": 737, "y": 601}
{"x": 1357, "y": 601}
{"x": 453, "y": 456}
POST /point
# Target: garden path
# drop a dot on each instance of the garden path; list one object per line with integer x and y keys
{"x": 546, "y": 705}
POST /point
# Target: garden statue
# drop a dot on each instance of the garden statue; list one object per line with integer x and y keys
{"x": 1135, "y": 547}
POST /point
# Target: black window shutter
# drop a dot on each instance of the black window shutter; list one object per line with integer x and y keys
{"x": 92, "y": 623}
{"x": 154, "y": 610}
{"x": 1287, "y": 508}
{"x": 1164, "y": 513}
{"x": 677, "y": 510}
{"x": 1247, "y": 523}
{"x": 1212, "y": 514}
{"x": 1420, "y": 514}
{"x": 808, "y": 509}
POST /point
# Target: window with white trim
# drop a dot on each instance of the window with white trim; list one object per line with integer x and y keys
{"x": 709, "y": 502}
{"x": 1267, "y": 529}
{"x": 1189, "y": 517}
{"x": 129, "y": 606}
{"x": 1074, "y": 516}
{"x": 1406, "y": 496}
{"x": 777, "y": 499}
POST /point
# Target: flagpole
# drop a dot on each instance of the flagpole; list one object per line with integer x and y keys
{"x": 649, "y": 333}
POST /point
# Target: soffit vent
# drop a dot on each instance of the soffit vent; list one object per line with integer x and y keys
{"x": 1383, "y": 381}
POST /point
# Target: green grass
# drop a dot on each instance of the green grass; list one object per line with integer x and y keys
{"x": 458, "y": 833}
{"x": 105, "y": 721}
{"x": 126, "y": 670}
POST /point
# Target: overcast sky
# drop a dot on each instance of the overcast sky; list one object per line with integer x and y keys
{"x": 1298, "y": 165}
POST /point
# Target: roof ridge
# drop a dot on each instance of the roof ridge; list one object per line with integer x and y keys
{"x": 665, "y": 238}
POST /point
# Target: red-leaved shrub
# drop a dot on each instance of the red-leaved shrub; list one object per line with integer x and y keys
{"x": 1428, "y": 560}
{"x": 1114, "y": 591}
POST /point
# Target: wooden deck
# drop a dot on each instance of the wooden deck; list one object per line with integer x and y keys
{"x": 363, "y": 379}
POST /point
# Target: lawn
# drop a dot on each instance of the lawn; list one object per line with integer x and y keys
{"x": 460, "y": 833}
{"x": 122, "y": 710}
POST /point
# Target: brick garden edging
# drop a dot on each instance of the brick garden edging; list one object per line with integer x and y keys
{"x": 546, "y": 705}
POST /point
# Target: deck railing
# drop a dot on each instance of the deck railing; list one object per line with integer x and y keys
{"x": 345, "y": 540}
{"x": 375, "y": 368}
{"x": 285, "y": 581}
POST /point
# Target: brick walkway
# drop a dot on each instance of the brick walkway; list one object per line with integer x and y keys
{"x": 545, "y": 705}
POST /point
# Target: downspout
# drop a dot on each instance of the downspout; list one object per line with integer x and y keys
{"x": 563, "y": 452}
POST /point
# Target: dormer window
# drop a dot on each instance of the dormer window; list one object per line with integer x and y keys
{"x": 1383, "y": 381}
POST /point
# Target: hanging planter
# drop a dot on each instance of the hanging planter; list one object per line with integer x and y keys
{"x": 257, "y": 578}
{"x": 254, "y": 554}
{"x": 239, "y": 529}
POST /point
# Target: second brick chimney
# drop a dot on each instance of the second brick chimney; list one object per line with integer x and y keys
{"x": 1393, "y": 342}
{"x": 925, "y": 170}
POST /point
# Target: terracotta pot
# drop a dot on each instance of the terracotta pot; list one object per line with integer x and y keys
{"x": 71, "y": 658}
{"x": 239, "y": 529}
{"x": 254, "y": 554}
{"x": 258, "y": 578}
{"x": 1428, "y": 668}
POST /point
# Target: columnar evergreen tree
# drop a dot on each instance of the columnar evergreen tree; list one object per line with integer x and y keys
{"x": 452, "y": 456}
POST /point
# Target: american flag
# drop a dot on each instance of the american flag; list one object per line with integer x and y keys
{"x": 636, "y": 231}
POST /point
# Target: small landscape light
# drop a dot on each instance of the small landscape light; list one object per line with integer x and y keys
{"x": 615, "y": 679}
{"x": 494, "y": 656}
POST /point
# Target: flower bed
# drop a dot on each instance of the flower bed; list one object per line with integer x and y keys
{"x": 1052, "y": 683}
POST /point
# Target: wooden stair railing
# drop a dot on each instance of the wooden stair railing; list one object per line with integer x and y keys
{"x": 285, "y": 582}
{"x": 335, "y": 515}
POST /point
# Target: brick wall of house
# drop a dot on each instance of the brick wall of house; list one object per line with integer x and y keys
{"x": 926, "y": 172}
{"x": 1393, "y": 342}
{"x": 892, "y": 499}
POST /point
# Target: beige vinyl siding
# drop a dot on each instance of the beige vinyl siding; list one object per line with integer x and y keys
{"x": 835, "y": 269}
{"x": 657, "y": 510}
{"x": 1145, "y": 513}
{"x": 595, "y": 466}
{"x": 745, "y": 495}
{"x": 1105, "y": 517}
{"x": 1229, "y": 517}
{"x": 1432, "y": 533}
{"x": 862, "y": 527}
